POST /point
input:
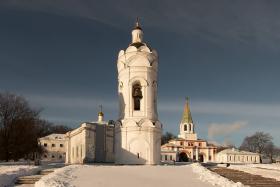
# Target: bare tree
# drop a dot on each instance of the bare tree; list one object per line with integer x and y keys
{"x": 270, "y": 150}
{"x": 259, "y": 142}
{"x": 17, "y": 120}
{"x": 20, "y": 128}
{"x": 166, "y": 137}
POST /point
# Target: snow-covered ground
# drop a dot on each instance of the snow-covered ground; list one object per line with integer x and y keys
{"x": 265, "y": 170}
{"x": 9, "y": 173}
{"x": 137, "y": 176}
{"x": 213, "y": 178}
{"x": 266, "y": 166}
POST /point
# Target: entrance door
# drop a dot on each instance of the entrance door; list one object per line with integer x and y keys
{"x": 183, "y": 157}
{"x": 201, "y": 158}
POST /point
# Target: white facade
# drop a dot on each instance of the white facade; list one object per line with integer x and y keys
{"x": 237, "y": 156}
{"x": 91, "y": 142}
{"x": 54, "y": 147}
{"x": 138, "y": 130}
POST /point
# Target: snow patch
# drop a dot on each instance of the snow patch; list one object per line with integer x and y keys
{"x": 59, "y": 178}
{"x": 213, "y": 178}
{"x": 9, "y": 173}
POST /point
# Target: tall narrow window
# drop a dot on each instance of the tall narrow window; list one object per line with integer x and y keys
{"x": 185, "y": 128}
{"x": 137, "y": 96}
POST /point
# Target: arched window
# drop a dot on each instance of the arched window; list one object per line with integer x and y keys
{"x": 190, "y": 127}
{"x": 137, "y": 96}
{"x": 185, "y": 128}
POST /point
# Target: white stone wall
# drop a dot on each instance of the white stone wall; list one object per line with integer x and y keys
{"x": 138, "y": 145}
{"x": 80, "y": 144}
{"x": 168, "y": 156}
{"x": 110, "y": 149}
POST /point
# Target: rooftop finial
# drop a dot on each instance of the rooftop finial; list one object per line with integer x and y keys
{"x": 100, "y": 107}
{"x": 100, "y": 113}
{"x": 137, "y": 24}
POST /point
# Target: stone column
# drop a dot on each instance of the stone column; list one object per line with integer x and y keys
{"x": 207, "y": 155}
{"x": 196, "y": 153}
{"x": 192, "y": 154}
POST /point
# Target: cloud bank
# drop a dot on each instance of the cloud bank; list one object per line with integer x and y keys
{"x": 224, "y": 129}
{"x": 253, "y": 23}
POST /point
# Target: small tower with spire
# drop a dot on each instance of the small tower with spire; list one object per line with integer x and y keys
{"x": 186, "y": 126}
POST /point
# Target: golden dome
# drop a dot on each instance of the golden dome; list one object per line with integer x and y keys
{"x": 100, "y": 114}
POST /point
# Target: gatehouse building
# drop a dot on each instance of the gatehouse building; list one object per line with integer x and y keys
{"x": 187, "y": 147}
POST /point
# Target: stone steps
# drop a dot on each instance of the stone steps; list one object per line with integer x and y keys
{"x": 28, "y": 179}
{"x": 33, "y": 178}
{"x": 246, "y": 178}
{"x": 46, "y": 171}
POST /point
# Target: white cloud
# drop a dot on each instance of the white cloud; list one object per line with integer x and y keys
{"x": 224, "y": 129}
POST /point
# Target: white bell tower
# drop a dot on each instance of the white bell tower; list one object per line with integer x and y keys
{"x": 138, "y": 130}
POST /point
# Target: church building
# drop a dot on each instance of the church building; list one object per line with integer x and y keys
{"x": 138, "y": 130}
{"x": 91, "y": 142}
{"x": 187, "y": 147}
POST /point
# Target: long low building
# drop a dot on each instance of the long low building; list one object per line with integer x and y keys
{"x": 237, "y": 156}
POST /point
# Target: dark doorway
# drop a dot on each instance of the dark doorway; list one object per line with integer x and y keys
{"x": 201, "y": 158}
{"x": 183, "y": 157}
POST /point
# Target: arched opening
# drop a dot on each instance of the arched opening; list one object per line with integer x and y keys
{"x": 185, "y": 128}
{"x": 183, "y": 157}
{"x": 190, "y": 127}
{"x": 201, "y": 158}
{"x": 137, "y": 96}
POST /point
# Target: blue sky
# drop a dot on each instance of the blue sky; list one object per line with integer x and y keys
{"x": 224, "y": 55}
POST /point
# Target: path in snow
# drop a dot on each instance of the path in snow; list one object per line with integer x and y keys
{"x": 264, "y": 170}
{"x": 245, "y": 177}
{"x": 136, "y": 176}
